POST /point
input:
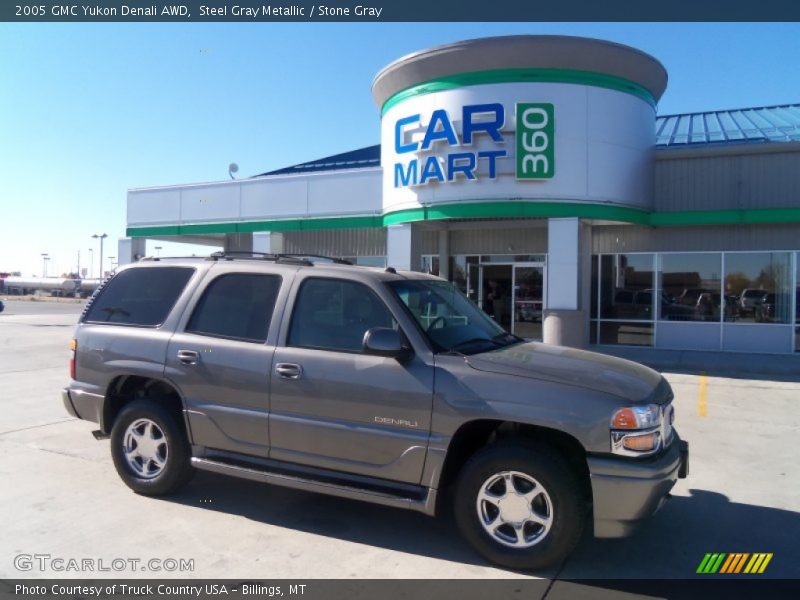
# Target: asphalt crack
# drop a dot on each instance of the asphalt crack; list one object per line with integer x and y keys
{"x": 64, "y": 420}
{"x": 554, "y": 578}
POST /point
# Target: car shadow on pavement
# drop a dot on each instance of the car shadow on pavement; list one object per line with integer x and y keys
{"x": 674, "y": 541}
{"x": 349, "y": 520}
{"x": 670, "y": 545}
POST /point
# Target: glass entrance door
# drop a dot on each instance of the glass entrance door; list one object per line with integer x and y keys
{"x": 528, "y": 301}
{"x": 496, "y": 286}
{"x": 474, "y": 284}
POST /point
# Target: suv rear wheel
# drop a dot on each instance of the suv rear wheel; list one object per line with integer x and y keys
{"x": 520, "y": 505}
{"x": 150, "y": 450}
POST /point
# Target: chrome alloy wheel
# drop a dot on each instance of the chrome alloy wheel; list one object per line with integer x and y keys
{"x": 145, "y": 448}
{"x": 514, "y": 509}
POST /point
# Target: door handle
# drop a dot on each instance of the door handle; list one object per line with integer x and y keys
{"x": 188, "y": 357}
{"x": 289, "y": 370}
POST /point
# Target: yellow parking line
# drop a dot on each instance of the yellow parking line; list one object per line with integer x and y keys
{"x": 702, "y": 397}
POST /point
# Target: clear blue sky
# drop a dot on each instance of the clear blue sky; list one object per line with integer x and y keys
{"x": 89, "y": 111}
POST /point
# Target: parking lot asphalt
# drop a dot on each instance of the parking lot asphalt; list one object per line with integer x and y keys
{"x": 60, "y": 495}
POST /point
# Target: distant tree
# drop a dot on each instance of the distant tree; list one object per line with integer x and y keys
{"x": 736, "y": 282}
{"x": 770, "y": 277}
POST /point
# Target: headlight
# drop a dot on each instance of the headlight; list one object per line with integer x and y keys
{"x": 637, "y": 417}
{"x": 637, "y": 430}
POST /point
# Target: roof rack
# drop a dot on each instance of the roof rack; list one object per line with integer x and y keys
{"x": 295, "y": 259}
{"x": 338, "y": 261}
{"x": 158, "y": 258}
{"x": 231, "y": 254}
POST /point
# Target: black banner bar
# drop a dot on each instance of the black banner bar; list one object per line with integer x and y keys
{"x": 707, "y": 588}
{"x": 372, "y": 11}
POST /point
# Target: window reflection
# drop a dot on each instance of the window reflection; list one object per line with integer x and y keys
{"x": 691, "y": 287}
{"x": 626, "y": 287}
{"x": 797, "y": 304}
{"x": 758, "y": 287}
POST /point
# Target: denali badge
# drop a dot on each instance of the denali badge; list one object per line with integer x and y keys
{"x": 400, "y": 422}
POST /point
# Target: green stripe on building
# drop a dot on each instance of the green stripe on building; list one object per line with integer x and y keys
{"x": 487, "y": 210}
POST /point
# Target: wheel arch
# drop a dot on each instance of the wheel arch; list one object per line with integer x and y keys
{"x": 474, "y": 435}
{"x": 127, "y": 388}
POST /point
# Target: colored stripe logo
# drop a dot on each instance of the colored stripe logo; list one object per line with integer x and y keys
{"x": 734, "y": 562}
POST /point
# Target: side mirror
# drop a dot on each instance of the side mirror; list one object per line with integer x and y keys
{"x": 385, "y": 341}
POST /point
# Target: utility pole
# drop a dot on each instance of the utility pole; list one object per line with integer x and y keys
{"x": 101, "y": 237}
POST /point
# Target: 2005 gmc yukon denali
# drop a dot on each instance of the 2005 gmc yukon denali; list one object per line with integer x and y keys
{"x": 371, "y": 384}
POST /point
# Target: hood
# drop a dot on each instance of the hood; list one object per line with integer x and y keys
{"x": 600, "y": 372}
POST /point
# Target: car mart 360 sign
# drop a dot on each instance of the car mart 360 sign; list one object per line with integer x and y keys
{"x": 454, "y": 159}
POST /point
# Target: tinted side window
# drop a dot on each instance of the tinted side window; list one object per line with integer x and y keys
{"x": 334, "y": 314}
{"x": 237, "y": 306}
{"x": 141, "y": 296}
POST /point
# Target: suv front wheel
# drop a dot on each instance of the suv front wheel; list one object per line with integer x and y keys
{"x": 519, "y": 505}
{"x": 150, "y": 450}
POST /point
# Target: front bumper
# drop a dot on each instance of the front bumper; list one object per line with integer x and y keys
{"x": 627, "y": 491}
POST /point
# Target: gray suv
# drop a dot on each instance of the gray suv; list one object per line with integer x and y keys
{"x": 371, "y": 384}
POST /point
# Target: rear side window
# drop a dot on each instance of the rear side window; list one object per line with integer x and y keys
{"x": 237, "y": 306}
{"x": 333, "y": 314}
{"x": 142, "y": 297}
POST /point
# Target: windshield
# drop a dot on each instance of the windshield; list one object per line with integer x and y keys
{"x": 449, "y": 319}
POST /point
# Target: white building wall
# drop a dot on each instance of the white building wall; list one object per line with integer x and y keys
{"x": 326, "y": 194}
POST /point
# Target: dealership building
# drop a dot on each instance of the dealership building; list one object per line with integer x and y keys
{"x": 536, "y": 173}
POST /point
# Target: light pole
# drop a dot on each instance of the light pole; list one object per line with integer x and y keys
{"x": 91, "y": 262}
{"x": 158, "y": 250}
{"x": 45, "y": 258}
{"x": 101, "y": 237}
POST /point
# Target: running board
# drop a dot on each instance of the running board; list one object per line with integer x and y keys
{"x": 425, "y": 504}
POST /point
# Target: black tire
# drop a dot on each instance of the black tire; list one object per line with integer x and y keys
{"x": 553, "y": 472}
{"x": 177, "y": 469}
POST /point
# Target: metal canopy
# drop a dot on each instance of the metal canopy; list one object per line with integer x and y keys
{"x": 737, "y": 126}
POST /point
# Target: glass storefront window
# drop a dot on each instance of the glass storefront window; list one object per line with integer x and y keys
{"x": 797, "y": 303}
{"x": 690, "y": 287}
{"x": 758, "y": 287}
{"x": 595, "y": 275}
{"x": 717, "y": 288}
{"x": 626, "y": 287}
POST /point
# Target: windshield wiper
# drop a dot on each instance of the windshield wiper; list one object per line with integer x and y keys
{"x": 506, "y": 339}
{"x": 474, "y": 341}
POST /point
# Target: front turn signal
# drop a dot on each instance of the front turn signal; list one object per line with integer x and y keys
{"x": 636, "y": 417}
